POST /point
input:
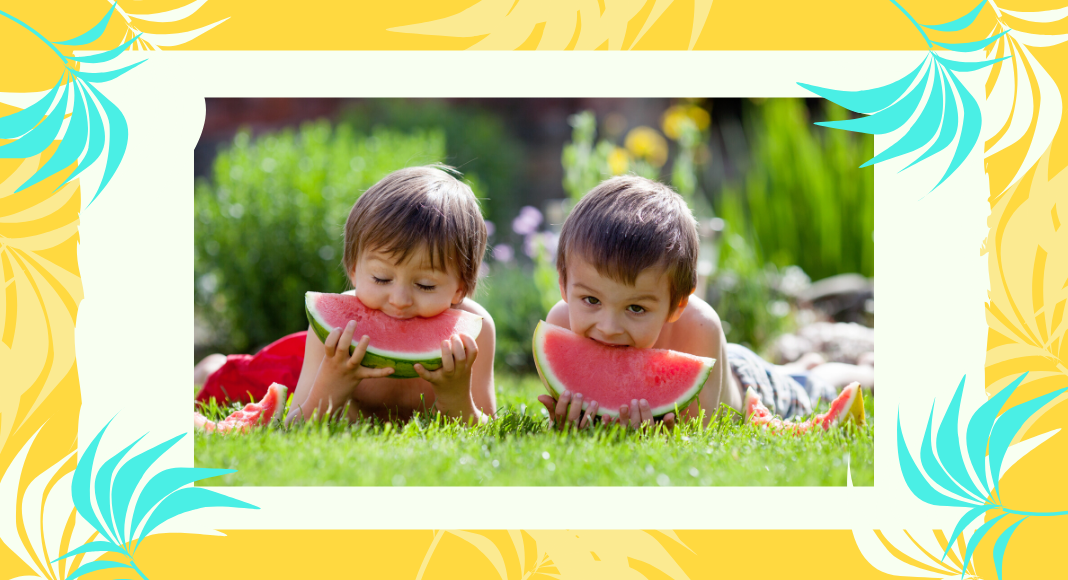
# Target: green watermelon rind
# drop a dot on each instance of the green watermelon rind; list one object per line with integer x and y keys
{"x": 551, "y": 381}
{"x": 403, "y": 365}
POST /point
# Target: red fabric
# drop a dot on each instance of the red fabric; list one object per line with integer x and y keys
{"x": 245, "y": 378}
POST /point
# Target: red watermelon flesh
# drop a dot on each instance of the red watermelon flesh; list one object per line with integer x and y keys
{"x": 615, "y": 376}
{"x": 395, "y": 343}
{"x": 847, "y": 406}
{"x": 270, "y": 407}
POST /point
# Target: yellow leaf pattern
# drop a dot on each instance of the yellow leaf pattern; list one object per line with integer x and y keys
{"x": 40, "y": 290}
{"x": 528, "y": 25}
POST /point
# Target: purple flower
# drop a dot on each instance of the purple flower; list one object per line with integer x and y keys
{"x": 503, "y": 253}
{"x": 527, "y": 222}
{"x": 547, "y": 240}
{"x": 490, "y": 228}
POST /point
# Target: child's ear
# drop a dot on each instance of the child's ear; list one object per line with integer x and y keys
{"x": 677, "y": 313}
{"x": 563, "y": 291}
{"x": 459, "y": 296}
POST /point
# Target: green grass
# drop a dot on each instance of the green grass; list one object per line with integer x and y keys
{"x": 519, "y": 449}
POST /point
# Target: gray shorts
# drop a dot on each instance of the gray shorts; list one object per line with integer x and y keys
{"x": 788, "y": 395}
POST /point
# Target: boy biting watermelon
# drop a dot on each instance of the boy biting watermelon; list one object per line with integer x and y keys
{"x": 627, "y": 264}
{"x": 413, "y": 246}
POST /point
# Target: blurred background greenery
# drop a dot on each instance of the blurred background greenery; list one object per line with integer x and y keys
{"x": 781, "y": 202}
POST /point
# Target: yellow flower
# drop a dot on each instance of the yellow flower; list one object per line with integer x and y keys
{"x": 676, "y": 115}
{"x": 699, "y": 117}
{"x": 618, "y": 161}
{"x": 645, "y": 143}
{"x": 672, "y": 121}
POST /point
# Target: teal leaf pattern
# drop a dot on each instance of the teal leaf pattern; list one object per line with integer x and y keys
{"x": 163, "y": 496}
{"x": 93, "y": 33}
{"x": 959, "y": 23}
{"x": 932, "y": 89}
{"x": 987, "y": 437}
{"x": 36, "y": 127}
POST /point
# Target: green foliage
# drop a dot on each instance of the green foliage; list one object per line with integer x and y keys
{"x": 803, "y": 200}
{"x": 477, "y": 142}
{"x": 741, "y": 293}
{"x": 516, "y": 306}
{"x": 270, "y": 222}
{"x": 585, "y": 163}
{"x": 519, "y": 448}
{"x": 684, "y": 170}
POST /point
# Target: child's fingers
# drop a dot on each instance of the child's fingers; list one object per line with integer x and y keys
{"x": 448, "y": 365}
{"x": 423, "y": 373}
{"x": 576, "y": 409}
{"x": 331, "y": 342}
{"x": 470, "y": 346}
{"x": 624, "y": 415}
{"x": 587, "y": 417}
{"x": 646, "y": 411}
{"x": 361, "y": 350}
{"x": 346, "y": 338}
{"x": 458, "y": 351}
{"x": 635, "y": 414}
{"x": 369, "y": 373}
{"x": 550, "y": 405}
{"x": 669, "y": 421}
{"x": 561, "y": 407}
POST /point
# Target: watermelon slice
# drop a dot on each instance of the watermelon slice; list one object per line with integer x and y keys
{"x": 395, "y": 343}
{"x": 614, "y": 376}
{"x": 270, "y": 407}
{"x": 847, "y": 406}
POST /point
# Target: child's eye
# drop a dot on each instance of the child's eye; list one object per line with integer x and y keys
{"x": 381, "y": 280}
{"x": 425, "y": 287}
{"x": 591, "y": 300}
{"x": 635, "y": 309}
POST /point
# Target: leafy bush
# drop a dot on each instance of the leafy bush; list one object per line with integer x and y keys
{"x": 269, "y": 223}
{"x": 516, "y": 306}
{"x": 803, "y": 201}
{"x": 477, "y": 142}
{"x": 742, "y": 291}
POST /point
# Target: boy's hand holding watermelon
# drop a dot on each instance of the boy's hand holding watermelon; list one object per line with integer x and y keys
{"x": 569, "y": 410}
{"x": 452, "y": 382}
{"x": 340, "y": 373}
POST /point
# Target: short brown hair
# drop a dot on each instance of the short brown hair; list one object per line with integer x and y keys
{"x": 420, "y": 207}
{"x": 629, "y": 223}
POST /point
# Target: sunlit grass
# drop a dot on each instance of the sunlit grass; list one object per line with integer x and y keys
{"x": 518, "y": 448}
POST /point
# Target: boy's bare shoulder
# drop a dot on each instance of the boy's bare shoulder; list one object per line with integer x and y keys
{"x": 473, "y": 307}
{"x": 699, "y": 325}
{"x": 558, "y": 315}
{"x": 698, "y": 311}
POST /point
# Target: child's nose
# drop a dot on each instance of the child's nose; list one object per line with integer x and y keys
{"x": 400, "y": 298}
{"x": 609, "y": 326}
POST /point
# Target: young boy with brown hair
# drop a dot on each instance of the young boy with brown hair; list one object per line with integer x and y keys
{"x": 627, "y": 264}
{"x": 413, "y": 246}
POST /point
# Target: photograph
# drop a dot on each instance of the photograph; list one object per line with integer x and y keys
{"x": 533, "y": 292}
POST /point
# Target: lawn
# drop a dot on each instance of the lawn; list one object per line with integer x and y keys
{"x": 519, "y": 449}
